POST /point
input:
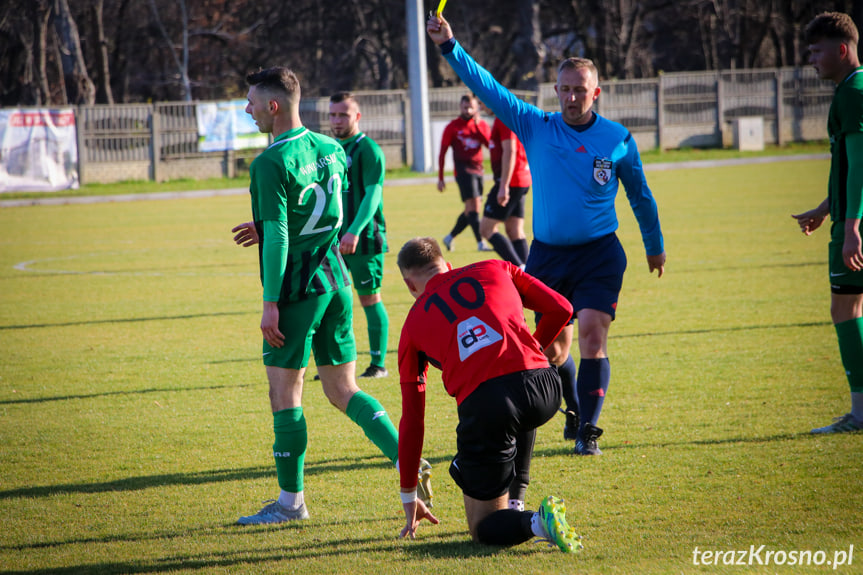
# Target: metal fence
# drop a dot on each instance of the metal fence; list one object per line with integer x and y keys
{"x": 160, "y": 141}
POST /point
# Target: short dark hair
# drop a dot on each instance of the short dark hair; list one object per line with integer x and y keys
{"x": 831, "y": 26}
{"x": 276, "y": 79}
{"x": 342, "y": 96}
{"x": 418, "y": 253}
{"x": 578, "y": 63}
{"x": 469, "y": 98}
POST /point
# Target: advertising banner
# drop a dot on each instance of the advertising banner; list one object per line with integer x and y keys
{"x": 227, "y": 126}
{"x": 38, "y": 150}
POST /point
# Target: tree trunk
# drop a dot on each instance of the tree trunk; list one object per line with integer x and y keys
{"x": 58, "y": 62}
{"x": 103, "y": 72}
{"x": 181, "y": 68}
{"x": 42, "y": 15}
{"x": 79, "y": 87}
{"x": 527, "y": 48}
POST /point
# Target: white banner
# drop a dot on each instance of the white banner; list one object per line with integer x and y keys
{"x": 227, "y": 126}
{"x": 38, "y": 150}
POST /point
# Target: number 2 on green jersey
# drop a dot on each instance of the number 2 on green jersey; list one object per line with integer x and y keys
{"x": 334, "y": 186}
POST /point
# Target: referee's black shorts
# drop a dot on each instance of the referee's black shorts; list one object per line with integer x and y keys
{"x": 489, "y": 420}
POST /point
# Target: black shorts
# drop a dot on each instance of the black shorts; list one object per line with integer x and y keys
{"x": 514, "y": 208}
{"x": 470, "y": 185}
{"x": 489, "y": 420}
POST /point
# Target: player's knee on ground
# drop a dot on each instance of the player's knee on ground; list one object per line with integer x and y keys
{"x": 505, "y": 527}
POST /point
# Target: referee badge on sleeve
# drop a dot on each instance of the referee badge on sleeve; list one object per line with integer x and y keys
{"x": 601, "y": 170}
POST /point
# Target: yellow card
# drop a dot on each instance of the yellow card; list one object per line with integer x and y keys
{"x": 440, "y": 7}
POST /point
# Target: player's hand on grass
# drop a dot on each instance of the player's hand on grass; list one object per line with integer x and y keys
{"x": 438, "y": 29}
{"x": 270, "y": 324}
{"x": 441, "y": 185}
{"x": 246, "y": 234}
{"x": 415, "y": 512}
{"x": 656, "y": 262}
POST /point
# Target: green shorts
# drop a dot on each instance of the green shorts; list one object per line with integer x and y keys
{"x": 321, "y": 324}
{"x": 367, "y": 272}
{"x": 842, "y": 279}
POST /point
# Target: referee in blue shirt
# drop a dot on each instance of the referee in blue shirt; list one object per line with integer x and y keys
{"x": 577, "y": 159}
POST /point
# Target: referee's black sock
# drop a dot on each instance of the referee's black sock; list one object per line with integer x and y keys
{"x": 460, "y": 224}
{"x": 505, "y": 527}
{"x": 505, "y": 249}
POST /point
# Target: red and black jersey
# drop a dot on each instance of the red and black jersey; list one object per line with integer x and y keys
{"x": 469, "y": 322}
{"x": 467, "y": 137}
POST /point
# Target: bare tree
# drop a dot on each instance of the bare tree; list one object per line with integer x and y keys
{"x": 155, "y": 50}
{"x": 103, "y": 71}
{"x": 527, "y": 47}
{"x": 182, "y": 67}
{"x": 79, "y": 86}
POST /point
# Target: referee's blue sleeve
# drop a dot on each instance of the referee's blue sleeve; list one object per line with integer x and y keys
{"x": 641, "y": 199}
{"x": 513, "y": 112}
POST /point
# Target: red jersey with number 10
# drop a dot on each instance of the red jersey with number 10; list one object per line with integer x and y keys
{"x": 469, "y": 322}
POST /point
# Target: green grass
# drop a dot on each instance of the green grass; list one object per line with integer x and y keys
{"x": 135, "y": 424}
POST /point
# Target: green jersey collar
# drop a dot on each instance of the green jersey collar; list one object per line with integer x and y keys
{"x": 852, "y": 74}
{"x": 290, "y": 135}
{"x": 355, "y": 138}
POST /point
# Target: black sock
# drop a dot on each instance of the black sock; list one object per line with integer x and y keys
{"x": 520, "y": 247}
{"x": 523, "y": 453}
{"x": 460, "y": 224}
{"x": 505, "y": 527}
{"x": 566, "y": 370}
{"x": 473, "y": 220}
{"x": 504, "y": 248}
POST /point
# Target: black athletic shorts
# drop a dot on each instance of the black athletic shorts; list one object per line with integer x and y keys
{"x": 470, "y": 185}
{"x": 513, "y": 208}
{"x": 489, "y": 420}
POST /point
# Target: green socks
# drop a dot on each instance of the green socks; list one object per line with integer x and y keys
{"x": 369, "y": 414}
{"x": 850, "y": 334}
{"x": 289, "y": 448}
{"x": 379, "y": 325}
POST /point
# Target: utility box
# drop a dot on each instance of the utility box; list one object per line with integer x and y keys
{"x": 749, "y": 134}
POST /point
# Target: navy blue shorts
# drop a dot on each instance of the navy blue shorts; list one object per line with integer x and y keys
{"x": 588, "y": 275}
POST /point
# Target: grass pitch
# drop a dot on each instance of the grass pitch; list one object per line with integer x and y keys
{"x": 135, "y": 425}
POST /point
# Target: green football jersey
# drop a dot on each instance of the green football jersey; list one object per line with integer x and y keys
{"x": 845, "y": 117}
{"x": 299, "y": 179}
{"x": 366, "y": 167}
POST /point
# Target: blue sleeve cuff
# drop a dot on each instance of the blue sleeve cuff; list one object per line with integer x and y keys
{"x": 447, "y": 46}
